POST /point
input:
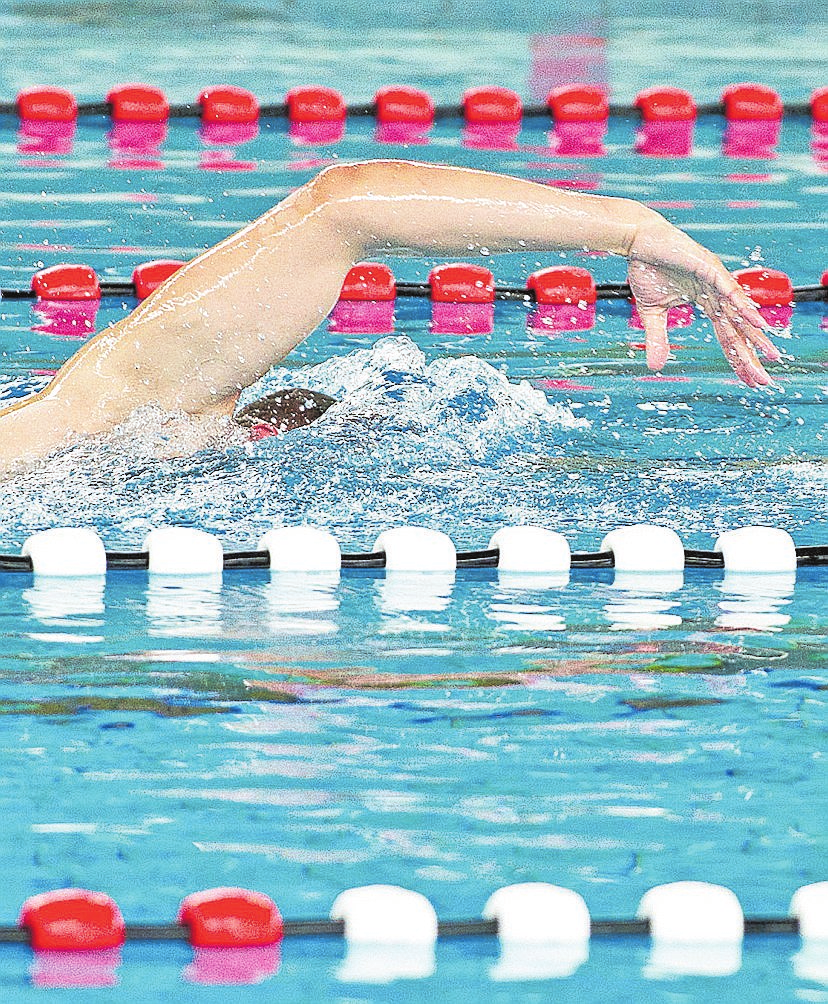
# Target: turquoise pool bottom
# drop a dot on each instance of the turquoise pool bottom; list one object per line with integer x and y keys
{"x": 159, "y": 739}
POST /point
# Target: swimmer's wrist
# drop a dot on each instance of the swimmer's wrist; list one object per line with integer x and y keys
{"x": 624, "y": 221}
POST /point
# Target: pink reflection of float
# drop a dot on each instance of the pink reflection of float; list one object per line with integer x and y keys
{"x": 316, "y": 133}
{"x": 665, "y": 139}
{"x": 65, "y": 318}
{"x": 491, "y": 136}
{"x": 777, "y": 316}
{"x": 757, "y": 138}
{"x": 50, "y": 138}
{"x": 227, "y": 133}
{"x": 562, "y": 383}
{"x": 462, "y": 318}
{"x": 362, "y": 317}
{"x": 224, "y": 160}
{"x": 68, "y": 970}
{"x": 578, "y": 139}
{"x": 819, "y": 142}
{"x": 558, "y": 318}
{"x": 233, "y": 966}
{"x": 136, "y": 145}
{"x": 402, "y": 133}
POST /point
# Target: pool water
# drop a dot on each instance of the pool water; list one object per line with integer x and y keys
{"x": 447, "y": 733}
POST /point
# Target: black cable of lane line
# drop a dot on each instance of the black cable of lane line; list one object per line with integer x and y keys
{"x": 375, "y": 559}
{"x": 276, "y": 110}
{"x": 247, "y": 559}
{"x": 810, "y": 294}
{"x": 117, "y": 289}
{"x": 94, "y": 108}
{"x": 15, "y": 563}
{"x": 156, "y": 932}
{"x": 127, "y": 559}
{"x": 279, "y": 109}
{"x": 13, "y": 935}
{"x": 808, "y": 556}
{"x": 598, "y": 559}
{"x": 324, "y": 927}
{"x": 478, "y": 559}
{"x": 812, "y": 555}
{"x": 703, "y": 559}
{"x": 422, "y": 290}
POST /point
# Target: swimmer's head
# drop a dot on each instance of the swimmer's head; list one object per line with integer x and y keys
{"x": 282, "y": 411}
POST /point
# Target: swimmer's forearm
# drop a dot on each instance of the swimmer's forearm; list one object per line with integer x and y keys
{"x": 385, "y": 205}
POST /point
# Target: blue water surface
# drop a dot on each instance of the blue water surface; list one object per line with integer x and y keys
{"x": 447, "y": 733}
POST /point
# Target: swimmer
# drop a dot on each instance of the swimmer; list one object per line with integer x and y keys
{"x": 224, "y": 319}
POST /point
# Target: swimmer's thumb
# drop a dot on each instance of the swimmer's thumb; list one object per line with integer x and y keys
{"x": 654, "y": 320}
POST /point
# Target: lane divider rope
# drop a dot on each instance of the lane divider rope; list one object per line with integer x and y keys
{"x": 68, "y": 551}
{"x": 425, "y": 290}
{"x": 395, "y": 105}
{"x": 451, "y": 283}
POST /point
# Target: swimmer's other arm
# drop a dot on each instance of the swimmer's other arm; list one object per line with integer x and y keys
{"x": 220, "y": 322}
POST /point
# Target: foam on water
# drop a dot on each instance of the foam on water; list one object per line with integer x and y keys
{"x": 405, "y": 435}
{"x": 450, "y": 443}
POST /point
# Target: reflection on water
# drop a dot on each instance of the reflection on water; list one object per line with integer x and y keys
{"x": 186, "y": 607}
{"x": 296, "y": 599}
{"x": 642, "y": 603}
{"x": 755, "y": 601}
{"x": 402, "y": 592}
{"x": 66, "y": 601}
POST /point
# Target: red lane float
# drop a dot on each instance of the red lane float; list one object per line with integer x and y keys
{"x": 315, "y": 104}
{"x": 666, "y": 104}
{"x": 462, "y": 299}
{"x": 368, "y": 280}
{"x": 751, "y": 102}
{"x": 565, "y": 298}
{"x": 819, "y": 105}
{"x": 492, "y": 106}
{"x": 562, "y": 284}
{"x": 47, "y": 104}
{"x": 138, "y": 103}
{"x": 66, "y": 282}
{"x": 578, "y": 103}
{"x": 231, "y": 918}
{"x": 459, "y": 282}
{"x": 148, "y": 276}
{"x": 668, "y": 116}
{"x": 403, "y": 105}
{"x": 228, "y": 104}
{"x": 767, "y": 287}
{"x": 73, "y": 920}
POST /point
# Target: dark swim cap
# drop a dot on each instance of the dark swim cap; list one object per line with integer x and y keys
{"x": 282, "y": 411}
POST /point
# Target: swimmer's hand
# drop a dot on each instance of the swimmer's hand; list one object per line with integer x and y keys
{"x": 666, "y": 268}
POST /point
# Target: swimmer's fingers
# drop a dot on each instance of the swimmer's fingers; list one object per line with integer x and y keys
{"x": 744, "y": 315}
{"x": 743, "y": 360}
{"x": 656, "y": 339}
{"x": 753, "y": 334}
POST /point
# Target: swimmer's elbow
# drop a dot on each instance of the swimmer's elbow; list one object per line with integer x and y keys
{"x": 352, "y": 195}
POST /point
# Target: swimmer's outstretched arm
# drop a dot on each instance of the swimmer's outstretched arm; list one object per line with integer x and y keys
{"x": 225, "y": 318}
